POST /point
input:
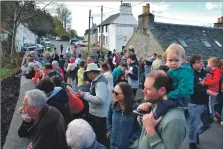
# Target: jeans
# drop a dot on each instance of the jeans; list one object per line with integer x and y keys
{"x": 212, "y": 102}
{"x": 195, "y": 124}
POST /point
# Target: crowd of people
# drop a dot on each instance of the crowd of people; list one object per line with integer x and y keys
{"x": 91, "y": 104}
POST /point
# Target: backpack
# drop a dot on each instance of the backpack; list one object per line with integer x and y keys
{"x": 75, "y": 103}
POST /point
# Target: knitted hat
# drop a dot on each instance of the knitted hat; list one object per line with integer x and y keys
{"x": 79, "y": 134}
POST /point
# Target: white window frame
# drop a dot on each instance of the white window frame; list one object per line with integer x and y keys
{"x": 217, "y": 43}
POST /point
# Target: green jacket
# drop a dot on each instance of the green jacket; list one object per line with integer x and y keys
{"x": 182, "y": 82}
{"x": 170, "y": 132}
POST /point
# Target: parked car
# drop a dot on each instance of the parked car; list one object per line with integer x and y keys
{"x": 84, "y": 43}
{"x": 40, "y": 48}
{"x": 44, "y": 41}
{"x": 72, "y": 41}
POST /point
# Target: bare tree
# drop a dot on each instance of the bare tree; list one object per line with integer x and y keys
{"x": 17, "y": 14}
{"x": 64, "y": 15}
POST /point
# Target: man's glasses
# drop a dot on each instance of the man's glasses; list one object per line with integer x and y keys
{"x": 116, "y": 93}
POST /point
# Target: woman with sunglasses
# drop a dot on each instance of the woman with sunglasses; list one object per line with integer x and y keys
{"x": 122, "y": 125}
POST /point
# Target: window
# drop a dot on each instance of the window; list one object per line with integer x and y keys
{"x": 205, "y": 42}
{"x": 99, "y": 29}
{"x": 106, "y": 28}
{"x": 102, "y": 29}
{"x": 182, "y": 43}
{"x": 217, "y": 43}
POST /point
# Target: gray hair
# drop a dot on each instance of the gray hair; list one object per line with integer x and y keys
{"x": 55, "y": 63}
{"x": 79, "y": 134}
{"x": 37, "y": 98}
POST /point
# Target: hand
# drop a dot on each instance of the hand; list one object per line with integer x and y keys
{"x": 30, "y": 146}
{"x": 150, "y": 123}
{"x": 108, "y": 134}
{"x": 21, "y": 109}
{"x": 165, "y": 97}
{"x": 210, "y": 93}
{"x": 26, "y": 118}
{"x": 202, "y": 82}
{"x": 87, "y": 82}
{"x": 80, "y": 94}
{"x": 144, "y": 106}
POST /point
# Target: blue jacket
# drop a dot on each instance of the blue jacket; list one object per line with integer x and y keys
{"x": 123, "y": 127}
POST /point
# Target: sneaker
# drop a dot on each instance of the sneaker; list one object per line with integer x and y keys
{"x": 192, "y": 146}
{"x": 221, "y": 123}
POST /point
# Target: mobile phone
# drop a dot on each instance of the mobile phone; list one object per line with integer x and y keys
{"x": 140, "y": 112}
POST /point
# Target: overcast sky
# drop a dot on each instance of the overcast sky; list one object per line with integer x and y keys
{"x": 195, "y": 13}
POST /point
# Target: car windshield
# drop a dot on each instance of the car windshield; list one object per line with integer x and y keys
{"x": 48, "y": 44}
{"x": 46, "y": 39}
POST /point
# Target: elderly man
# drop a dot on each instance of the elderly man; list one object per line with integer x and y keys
{"x": 80, "y": 135}
{"x": 99, "y": 98}
{"x": 168, "y": 131}
{"x": 49, "y": 129}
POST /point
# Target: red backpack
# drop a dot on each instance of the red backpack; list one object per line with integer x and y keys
{"x": 75, "y": 103}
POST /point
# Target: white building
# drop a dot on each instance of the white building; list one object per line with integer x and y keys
{"x": 93, "y": 35}
{"x": 118, "y": 28}
{"x": 23, "y": 36}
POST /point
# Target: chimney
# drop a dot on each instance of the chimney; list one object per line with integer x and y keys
{"x": 146, "y": 20}
{"x": 219, "y": 23}
{"x": 125, "y": 9}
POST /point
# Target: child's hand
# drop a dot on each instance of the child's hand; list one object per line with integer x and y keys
{"x": 165, "y": 97}
{"x": 202, "y": 82}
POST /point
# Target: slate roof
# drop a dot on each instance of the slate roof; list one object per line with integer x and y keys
{"x": 192, "y": 35}
{"x": 109, "y": 20}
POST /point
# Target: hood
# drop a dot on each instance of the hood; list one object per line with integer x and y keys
{"x": 55, "y": 91}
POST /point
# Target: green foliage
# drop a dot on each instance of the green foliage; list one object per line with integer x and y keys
{"x": 64, "y": 37}
{"x": 72, "y": 33}
{"x": 5, "y": 72}
{"x": 58, "y": 27}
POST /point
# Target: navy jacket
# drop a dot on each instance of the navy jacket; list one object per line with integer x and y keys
{"x": 123, "y": 127}
{"x": 59, "y": 99}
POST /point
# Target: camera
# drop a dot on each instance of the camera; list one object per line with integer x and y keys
{"x": 142, "y": 112}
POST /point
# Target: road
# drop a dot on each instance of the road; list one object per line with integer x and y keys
{"x": 65, "y": 44}
{"x": 211, "y": 139}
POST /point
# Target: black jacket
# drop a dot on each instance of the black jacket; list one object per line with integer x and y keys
{"x": 59, "y": 99}
{"x": 49, "y": 130}
{"x": 200, "y": 92}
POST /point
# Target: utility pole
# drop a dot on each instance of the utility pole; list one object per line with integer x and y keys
{"x": 89, "y": 30}
{"x": 101, "y": 26}
{"x": 92, "y": 32}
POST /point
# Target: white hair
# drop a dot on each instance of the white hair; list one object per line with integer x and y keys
{"x": 37, "y": 98}
{"x": 79, "y": 134}
{"x": 55, "y": 63}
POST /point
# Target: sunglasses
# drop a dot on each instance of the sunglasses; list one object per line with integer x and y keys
{"x": 116, "y": 93}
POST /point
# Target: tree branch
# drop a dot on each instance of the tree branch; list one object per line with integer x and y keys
{"x": 30, "y": 16}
